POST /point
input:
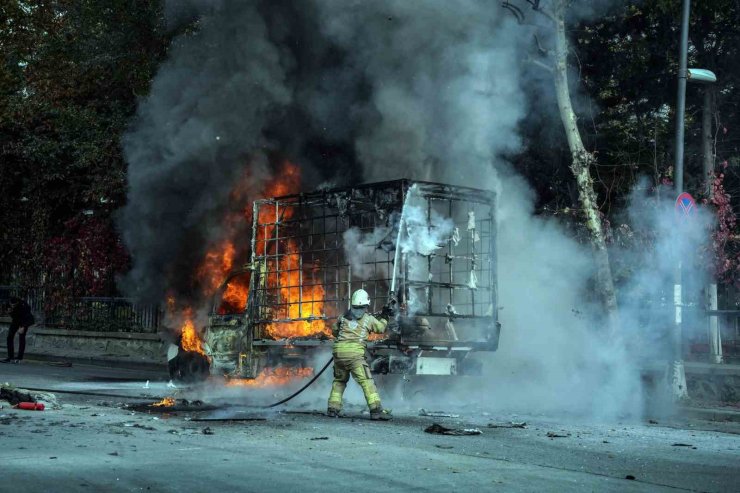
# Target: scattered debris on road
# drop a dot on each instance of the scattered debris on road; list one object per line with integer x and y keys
{"x": 168, "y": 405}
{"x": 509, "y": 424}
{"x": 15, "y": 396}
{"x": 230, "y": 416}
{"x": 438, "y": 429}
{"x": 63, "y": 364}
{"x": 137, "y": 425}
{"x": 552, "y": 434}
{"x": 437, "y": 414}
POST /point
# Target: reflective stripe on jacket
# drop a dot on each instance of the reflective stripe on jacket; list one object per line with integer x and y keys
{"x": 351, "y": 335}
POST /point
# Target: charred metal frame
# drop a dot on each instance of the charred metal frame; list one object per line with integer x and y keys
{"x": 301, "y": 236}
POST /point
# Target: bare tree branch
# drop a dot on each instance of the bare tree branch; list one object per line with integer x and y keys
{"x": 514, "y": 10}
{"x": 546, "y": 13}
{"x": 543, "y": 51}
{"x": 541, "y": 64}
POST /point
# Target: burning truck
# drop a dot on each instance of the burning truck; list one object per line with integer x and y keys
{"x": 430, "y": 247}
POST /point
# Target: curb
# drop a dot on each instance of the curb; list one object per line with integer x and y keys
{"x": 109, "y": 363}
{"x": 711, "y": 414}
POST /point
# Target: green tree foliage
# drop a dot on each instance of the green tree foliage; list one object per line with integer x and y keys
{"x": 629, "y": 64}
{"x": 70, "y": 74}
{"x": 626, "y": 63}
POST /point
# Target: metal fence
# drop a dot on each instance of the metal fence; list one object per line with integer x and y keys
{"x": 101, "y": 314}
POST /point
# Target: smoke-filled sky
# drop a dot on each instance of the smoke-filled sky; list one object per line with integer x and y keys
{"x": 357, "y": 91}
{"x": 352, "y": 91}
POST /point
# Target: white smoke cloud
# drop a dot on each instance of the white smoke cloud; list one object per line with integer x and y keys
{"x": 361, "y": 249}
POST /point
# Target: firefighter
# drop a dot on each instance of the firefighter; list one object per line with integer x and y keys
{"x": 350, "y": 339}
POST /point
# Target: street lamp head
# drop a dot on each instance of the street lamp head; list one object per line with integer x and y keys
{"x": 701, "y": 76}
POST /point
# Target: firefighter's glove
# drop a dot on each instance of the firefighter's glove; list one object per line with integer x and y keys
{"x": 390, "y": 309}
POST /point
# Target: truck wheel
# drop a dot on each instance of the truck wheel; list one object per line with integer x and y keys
{"x": 189, "y": 367}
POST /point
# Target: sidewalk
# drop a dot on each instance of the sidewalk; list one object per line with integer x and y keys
{"x": 83, "y": 358}
{"x": 724, "y": 413}
{"x": 115, "y": 350}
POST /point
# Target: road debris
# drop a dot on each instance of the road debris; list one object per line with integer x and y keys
{"x": 437, "y": 414}
{"x": 207, "y": 431}
{"x": 552, "y": 434}
{"x": 681, "y": 445}
{"x": 63, "y": 364}
{"x": 630, "y": 477}
{"x": 438, "y": 429}
{"x": 229, "y": 417}
{"x": 445, "y": 447}
{"x": 15, "y": 396}
{"x": 509, "y": 424}
{"x": 320, "y": 438}
{"x": 137, "y": 425}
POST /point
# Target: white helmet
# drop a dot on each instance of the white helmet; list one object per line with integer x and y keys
{"x": 360, "y": 298}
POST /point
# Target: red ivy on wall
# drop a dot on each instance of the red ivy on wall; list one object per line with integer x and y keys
{"x": 83, "y": 261}
{"x": 726, "y": 257}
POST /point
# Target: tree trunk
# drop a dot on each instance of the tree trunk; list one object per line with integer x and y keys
{"x": 710, "y": 293}
{"x": 581, "y": 168}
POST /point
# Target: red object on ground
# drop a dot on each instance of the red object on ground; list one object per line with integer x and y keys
{"x": 30, "y": 406}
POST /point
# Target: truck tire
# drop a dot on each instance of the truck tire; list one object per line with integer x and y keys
{"x": 189, "y": 367}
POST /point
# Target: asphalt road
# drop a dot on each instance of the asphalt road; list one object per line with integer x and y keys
{"x": 93, "y": 443}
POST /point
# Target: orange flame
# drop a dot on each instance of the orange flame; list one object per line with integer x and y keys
{"x": 301, "y": 296}
{"x": 190, "y": 341}
{"x": 273, "y": 377}
{"x": 166, "y": 402}
{"x": 296, "y": 281}
{"x": 234, "y": 298}
{"x": 218, "y": 262}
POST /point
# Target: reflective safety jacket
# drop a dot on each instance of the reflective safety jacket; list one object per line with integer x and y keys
{"x": 351, "y": 335}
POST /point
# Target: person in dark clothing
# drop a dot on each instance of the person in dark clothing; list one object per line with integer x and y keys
{"x": 21, "y": 318}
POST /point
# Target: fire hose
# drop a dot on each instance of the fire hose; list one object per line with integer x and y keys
{"x": 294, "y": 394}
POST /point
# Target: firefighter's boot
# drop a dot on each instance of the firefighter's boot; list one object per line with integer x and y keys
{"x": 332, "y": 412}
{"x": 380, "y": 414}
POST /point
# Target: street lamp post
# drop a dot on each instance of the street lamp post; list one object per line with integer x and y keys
{"x": 676, "y": 372}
